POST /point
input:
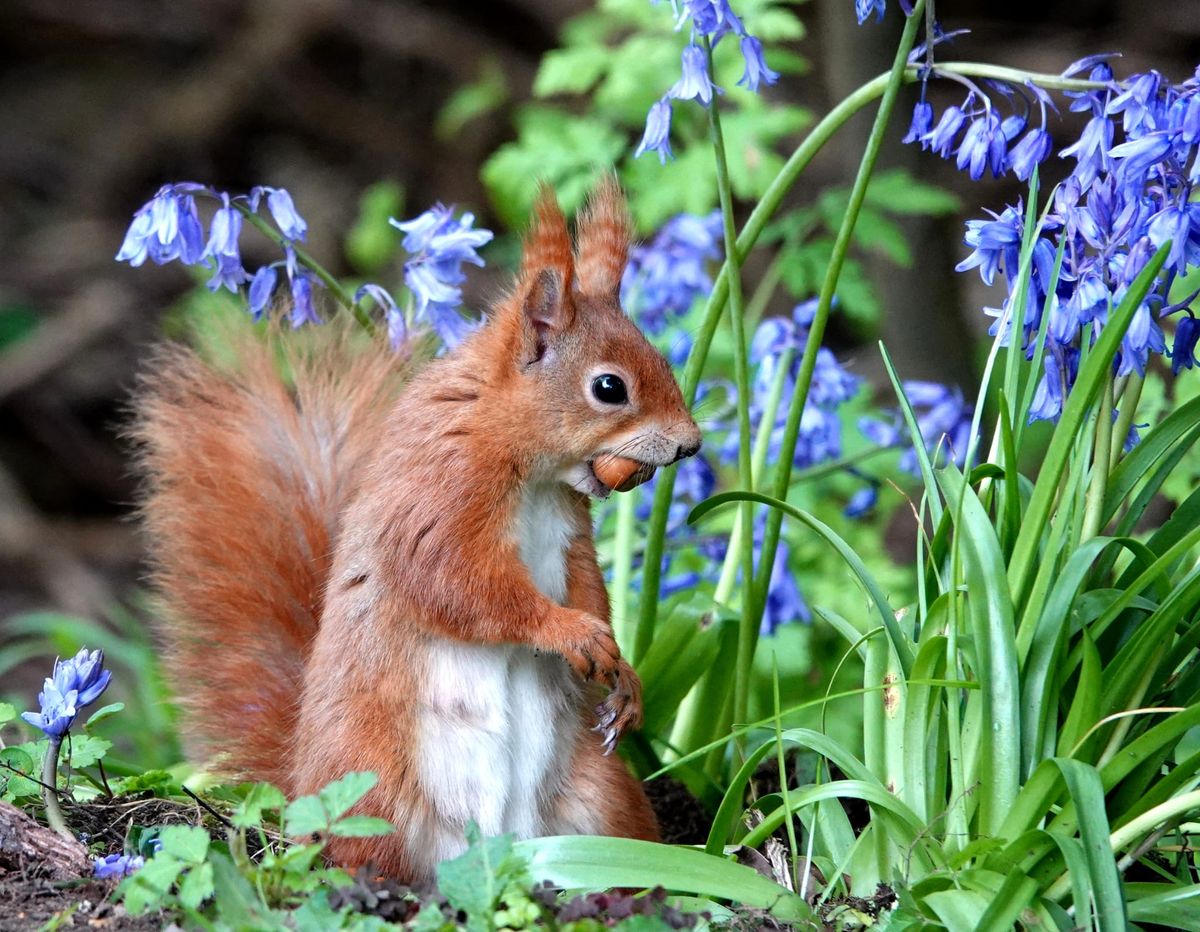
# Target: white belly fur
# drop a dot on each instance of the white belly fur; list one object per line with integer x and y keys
{"x": 499, "y": 722}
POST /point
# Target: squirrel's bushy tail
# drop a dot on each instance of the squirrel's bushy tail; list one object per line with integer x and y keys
{"x": 246, "y": 476}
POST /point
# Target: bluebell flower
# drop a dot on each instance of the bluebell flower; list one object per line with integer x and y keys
{"x": 694, "y": 84}
{"x": 664, "y": 277}
{"x": 997, "y": 244}
{"x": 941, "y": 137}
{"x": 1048, "y": 398}
{"x": 1091, "y": 151}
{"x": 116, "y": 865}
{"x": 785, "y": 602}
{"x": 922, "y": 121}
{"x": 863, "y": 9}
{"x": 283, "y": 211}
{"x": 75, "y": 684}
{"x": 943, "y": 420}
{"x": 303, "y": 311}
{"x": 1137, "y": 101}
{"x": 819, "y": 437}
{"x": 438, "y": 244}
{"x": 657, "y": 137}
{"x": 1143, "y": 337}
{"x": 396, "y": 325}
{"x": 713, "y": 18}
{"x": 165, "y": 228}
{"x": 261, "y": 288}
{"x": 982, "y": 146}
{"x": 757, "y": 72}
{"x": 862, "y": 502}
{"x": 228, "y": 273}
{"x": 1183, "y": 353}
{"x": 1030, "y": 152}
{"x": 57, "y": 710}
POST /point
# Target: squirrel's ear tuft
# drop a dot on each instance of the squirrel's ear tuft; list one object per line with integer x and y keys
{"x": 603, "y": 235}
{"x": 547, "y": 270}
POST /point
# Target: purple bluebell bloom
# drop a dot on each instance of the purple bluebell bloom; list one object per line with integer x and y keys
{"x": 943, "y": 419}
{"x": 657, "y": 137}
{"x": 261, "y": 288}
{"x": 757, "y": 72}
{"x": 922, "y": 122}
{"x": 166, "y": 228}
{"x": 303, "y": 311}
{"x": 76, "y": 683}
{"x": 116, "y": 865}
{"x": 712, "y": 19}
{"x": 1030, "y": 152}
{"x": 396, "y": 326}
{"x": 863, "y": 10}
{"x": 785, "y": 602}
{"x": 283, "y": 210}
{"x": 438, "y": 245}
{"x": 1091, "y": 151}
{"x": 664, "y": 277}
{"x": 695, "y": 83}
{"x": 1183, "y": 352}
{"x": 941, "y": 137}
{"x": 862, "y": 502}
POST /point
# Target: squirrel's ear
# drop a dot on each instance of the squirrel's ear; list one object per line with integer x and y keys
{"x": 603, "y": 235}
{"x": 547, "y": 269}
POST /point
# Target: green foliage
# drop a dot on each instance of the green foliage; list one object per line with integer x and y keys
{"x": 372, "y": 242}
{"x": 622, "y": 56}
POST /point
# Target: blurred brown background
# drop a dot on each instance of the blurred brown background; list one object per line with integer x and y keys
{"x": 101, "y": 101}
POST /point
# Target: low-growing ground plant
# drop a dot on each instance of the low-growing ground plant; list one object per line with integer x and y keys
{"x": 1003, "y": 731}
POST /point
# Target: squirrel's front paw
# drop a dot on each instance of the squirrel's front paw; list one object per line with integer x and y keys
{"x": 622, "y": 709}
{"x": 591, "y": 649}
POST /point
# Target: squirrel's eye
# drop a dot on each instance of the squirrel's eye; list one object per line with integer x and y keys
{"x": 609, "y": 389}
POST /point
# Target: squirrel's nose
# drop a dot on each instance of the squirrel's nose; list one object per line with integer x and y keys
{"x": 684, "y": 450}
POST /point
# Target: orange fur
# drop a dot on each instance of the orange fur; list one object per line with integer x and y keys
{"x": 398, "y": 524}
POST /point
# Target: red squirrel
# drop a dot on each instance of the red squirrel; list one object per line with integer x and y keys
{"x": 363, "y": 570}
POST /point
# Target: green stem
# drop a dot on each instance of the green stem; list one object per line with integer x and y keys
{"x": 335, "y": 287}
{"x": 816, "y": 331}
{"x": 748, "y": 632}
{"x": 1101, "y": 457}
{"x": 1130, "y": 395}
{"x": 50, "y": 790}
{"x": 759, "y": 217}
{"x": 623, "y": 568}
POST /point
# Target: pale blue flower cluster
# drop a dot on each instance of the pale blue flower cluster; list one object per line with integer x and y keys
{"x": 666, "y": 276}
{"x": 169, "y": 228}
{"x": 820, "y": 436}
{"x": 943, "y": 419}
{"x": 1129, "y": 192}
{"x": 75, "y": 684}
{"x": 713, "y": 19}
{"x": 116, "y": 866}
{"x": 438, "y": 244}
